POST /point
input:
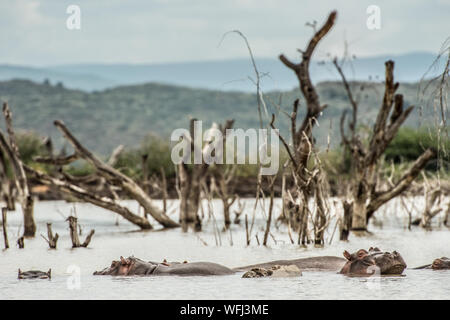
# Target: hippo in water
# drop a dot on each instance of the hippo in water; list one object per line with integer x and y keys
{"x": 134, "y": 266}
{"x": 364, "y": 262}
{"x": 438, "y": 264}
{"x": 357, "y": 263}
{"x": 325, "y": 263}
{"x": 274, "y": 272}
{"x": 34, "y": 274}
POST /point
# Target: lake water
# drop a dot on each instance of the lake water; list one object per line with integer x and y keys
{"x": 418, "y": 247}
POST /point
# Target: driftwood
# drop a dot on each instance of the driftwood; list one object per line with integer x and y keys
{"x": 52, "y": 239}
{"x": 73, "y": 225}
{"x": 365, "y": 197}
{"x": 9, "y": 147}
{"x": 5, "y": 226}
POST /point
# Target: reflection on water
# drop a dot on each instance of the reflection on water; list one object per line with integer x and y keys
{"x": 110, "y": 241}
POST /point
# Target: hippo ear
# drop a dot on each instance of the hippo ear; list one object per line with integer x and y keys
{"x": 49, "y": 273}
{"x": 347, "y": 255}
{"x": 122, "y": 260}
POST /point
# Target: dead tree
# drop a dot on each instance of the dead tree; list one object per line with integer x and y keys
{"x": 221, "y": 184}
{"x": 7, "y": 185}
{"x": 305, "y": 179}
{"x": 51, "y": 239}
{"x": 73, "y": 225}
{"x": 239, "y": 211}
{"x": 365, "y": 196}
{"x": 269, "y": 215}
{"x": 432, "y": 196}
{"x": 447, "y": 216}
{"x": 10, "y": 149}
{"x": 113, "y": 180}
{"x": 191, "y": 178}
{"x": 5, "y": 226}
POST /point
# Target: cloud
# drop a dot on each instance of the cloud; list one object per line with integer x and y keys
{"x": 34, "y": 32}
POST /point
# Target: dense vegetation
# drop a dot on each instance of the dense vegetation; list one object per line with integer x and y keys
{"x": 126, "y": 115}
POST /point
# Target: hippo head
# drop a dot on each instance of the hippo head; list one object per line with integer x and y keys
{"x": 128, "y": 266}
{"x": 358, "y": 263}
{"x": 389, "y": 262}
{"x": 133, "y": 266}
{"x": 365, "y": 262}
{"x": 441, "y": 264}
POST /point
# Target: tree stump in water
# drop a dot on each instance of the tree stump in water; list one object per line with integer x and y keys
{"x": 73, "y": 225}
{"x": 5, "y": 223}
{"x": 52, "y": 239}
{"x": 20, "y": 242}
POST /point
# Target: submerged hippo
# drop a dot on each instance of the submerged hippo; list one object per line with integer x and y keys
{"x": 274, "y": 272}
{"x": 388, "y": 263}
{"x": 34, "y": 274}
{"x": 328, "y": 263}
{"x": 134, "y": 266}
{"x": 438, "y": 264}
{"x": 374, "y": 261}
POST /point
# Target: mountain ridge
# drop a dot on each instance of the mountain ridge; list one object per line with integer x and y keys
{"x": 227, "y": 75}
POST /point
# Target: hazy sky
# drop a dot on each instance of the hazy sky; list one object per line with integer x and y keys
{"x": 34, "y": 32}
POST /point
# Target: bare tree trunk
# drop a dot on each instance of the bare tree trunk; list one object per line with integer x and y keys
{"x": 28, "y": 216}
{"x": 11, "y": 150}
{"x": 346, "y": 222}
{"x": 302, "y": 139}
{"x": 321, "y": 217}
{"x": 447, "y": 216}
{"x": 269, "y": 216}
{"x": 190, "y": 199}
{"x": 5, "y": 226}
{"x": 365, "y": 160}
{"x": 21, "y": 242}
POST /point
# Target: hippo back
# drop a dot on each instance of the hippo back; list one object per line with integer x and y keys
{"x": 193, "y": 269}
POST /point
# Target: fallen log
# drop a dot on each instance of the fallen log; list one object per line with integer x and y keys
{"x": 118, "y": 179}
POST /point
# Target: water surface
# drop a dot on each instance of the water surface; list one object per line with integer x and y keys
{"x": 110, "y": 241}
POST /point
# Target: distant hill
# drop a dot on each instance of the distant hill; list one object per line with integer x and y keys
{"x": 126, "y": 114}
{"x": 225, "y": 75}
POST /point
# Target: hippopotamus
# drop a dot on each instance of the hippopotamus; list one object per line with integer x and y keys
{"x": 134, "y": 266}
{"x": 364, "y": 262}
{"x": 274, "y": 272}
{"x": 357, "y": 263}
{"x": 438, "y": 264}
{"x": 34, "y": 274}
{"x": 327, "y": 263}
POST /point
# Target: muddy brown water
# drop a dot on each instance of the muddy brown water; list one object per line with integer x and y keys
{"x": 72, "y": 268}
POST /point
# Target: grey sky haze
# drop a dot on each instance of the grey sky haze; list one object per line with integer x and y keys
{"x": 34, "y": 32}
